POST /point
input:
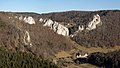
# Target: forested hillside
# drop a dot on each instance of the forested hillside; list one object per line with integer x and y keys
{"x": 10, "y": 59}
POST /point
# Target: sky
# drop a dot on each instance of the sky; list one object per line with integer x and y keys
{"x": 46, "y": 6}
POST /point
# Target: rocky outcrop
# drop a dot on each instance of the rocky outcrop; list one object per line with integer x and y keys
{"x": 81, "y": 28}
{"x": 29, "y": 20}
{"x": 27, "y": 39}
{"x": 93, "y": 24}
{"x": 58, "y": 28}
{"x": 55, "y": 26}
{"x": 62, "y": 30}
{"x": 40, "y": 20}
{"x": 20, "y": 18}
{"x": 49, "y": 23}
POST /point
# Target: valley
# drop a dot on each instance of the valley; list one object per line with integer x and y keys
{"x": 64, "y": 38}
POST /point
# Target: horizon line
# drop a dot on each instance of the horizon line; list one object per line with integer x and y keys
{"x": 55, "y": 11}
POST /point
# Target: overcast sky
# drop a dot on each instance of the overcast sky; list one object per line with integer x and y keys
{"x": 45, "y": 6}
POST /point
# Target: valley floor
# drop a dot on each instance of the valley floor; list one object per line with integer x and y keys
{"x": 65, "y": 55}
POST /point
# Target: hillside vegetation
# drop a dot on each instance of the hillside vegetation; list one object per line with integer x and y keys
{"x": 10, "y": 59}
{"x": 107, "y": 60}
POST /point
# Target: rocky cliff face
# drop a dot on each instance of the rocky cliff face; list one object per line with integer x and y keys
{"x": 93, "y": 24}
{"x": 29, "y": 20}
{"x": 58, "y": 28}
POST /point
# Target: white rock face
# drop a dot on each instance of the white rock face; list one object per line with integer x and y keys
{"x": 49, "y": 23}
{"x": 27, "y": 40}
{"x": 29, "y": 20}
{"x": 58, "y": 28}
{"x": 40, "y": 20}
{"x": 20, "y": 18}
{"x": 55, "y": 26}
{"x": 25, "y": 18}
{"x": 62, "y": 30}
{"x": 45, "y": 20}
{"x": 96, "y": 20}
{"x": 81, "y": 28}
